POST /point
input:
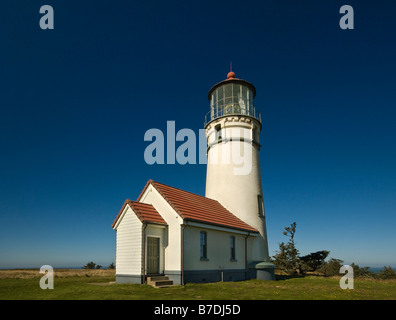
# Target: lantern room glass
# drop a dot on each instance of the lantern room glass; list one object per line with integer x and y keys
{"x": 232, "y": 98}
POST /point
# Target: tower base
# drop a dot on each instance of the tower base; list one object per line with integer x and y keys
{"x": 261, "y": 270}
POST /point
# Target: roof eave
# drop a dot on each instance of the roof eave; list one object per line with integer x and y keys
{"x": 221, "y": 225}
{"x": 120, "y": 213}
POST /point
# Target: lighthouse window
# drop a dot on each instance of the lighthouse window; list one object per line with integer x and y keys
{"x": 220, "y": 98}
{"x": 218, "y": 132}
{"x": 236, "y": 98}
{"x": 235, "y": 93}
{"x": 213, "y": 102}
{"x": 244, "y": 100}
{"x": 255, "y": 135}
{"x": 260, "y": 205}
{"x": 250, "y": 97}
{"x": 228, "y": 98}
{"x": 232, "y": 98}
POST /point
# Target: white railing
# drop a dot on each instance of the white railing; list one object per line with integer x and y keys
{"x": 233, "y": 109}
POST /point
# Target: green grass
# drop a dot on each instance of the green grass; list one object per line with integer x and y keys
{"x": 89, "y": 288}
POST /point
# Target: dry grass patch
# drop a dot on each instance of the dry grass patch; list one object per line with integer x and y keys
{"x": 58, "y": 273}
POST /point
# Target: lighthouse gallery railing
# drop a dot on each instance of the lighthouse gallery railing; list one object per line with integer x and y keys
{"x": 231, "y": 110}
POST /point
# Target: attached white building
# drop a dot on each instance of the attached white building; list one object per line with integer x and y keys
{"x": 191, "y": 238}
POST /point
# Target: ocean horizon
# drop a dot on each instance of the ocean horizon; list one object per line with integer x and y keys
{"x": 372, "y": 269}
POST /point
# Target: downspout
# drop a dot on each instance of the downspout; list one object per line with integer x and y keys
{"x": 246, "y": 263}
{"x": 144, "y": 226}
{"x": 183, "y": 225}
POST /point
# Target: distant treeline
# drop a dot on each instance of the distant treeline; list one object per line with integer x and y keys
{"x": 93, "y": 265}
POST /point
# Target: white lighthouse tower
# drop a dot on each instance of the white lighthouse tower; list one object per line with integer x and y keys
{"x": 232, "y": 128}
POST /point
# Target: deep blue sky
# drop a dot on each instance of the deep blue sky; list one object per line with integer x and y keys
{"x": 76, "y": 101}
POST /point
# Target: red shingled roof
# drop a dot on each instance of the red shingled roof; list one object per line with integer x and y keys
{"x": 145, "y": 212}
{"x": 193, "y": 207}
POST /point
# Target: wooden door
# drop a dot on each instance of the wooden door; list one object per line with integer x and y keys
{"x": 153, "y": 257}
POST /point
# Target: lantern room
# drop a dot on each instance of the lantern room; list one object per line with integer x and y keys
{"x": 232, "y": 96}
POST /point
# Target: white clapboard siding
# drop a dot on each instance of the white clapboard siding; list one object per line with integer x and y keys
{"x": 129, "y": 242}
{"x": 172, "y": 218}
{"x": 218, "y": 249}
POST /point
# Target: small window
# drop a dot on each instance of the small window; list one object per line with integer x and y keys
{"x": 260, "y": 203}
{"x": 232, "y": 248}
{"x": 254, "y": 135}
{"x": 203, "y": 245}
{"x": 218, "y": 132}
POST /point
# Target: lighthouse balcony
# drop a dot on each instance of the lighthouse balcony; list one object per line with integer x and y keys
{"x": 233, "y": 109}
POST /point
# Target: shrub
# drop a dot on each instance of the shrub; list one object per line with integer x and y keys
{"x": 387, "y": 273}
{"x": 90, "y": 265}
{"x": 362, "y": 272}
{"x": 331, "y": 267}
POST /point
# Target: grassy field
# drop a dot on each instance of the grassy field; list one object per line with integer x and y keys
{"x": 99, "y": 285}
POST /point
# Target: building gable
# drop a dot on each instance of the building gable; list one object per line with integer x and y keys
{"x": 145, "y": 212}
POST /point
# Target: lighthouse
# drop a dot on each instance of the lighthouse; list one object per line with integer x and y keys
{"x": 233, "y": 178}
{"x": 172, "y": 236}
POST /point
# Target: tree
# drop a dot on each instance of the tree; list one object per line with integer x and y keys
{"x": 331, "y": 267}
{"x": 90, "y": 265}
{"x": 111, "y": 266}
{"x": 314, "y": 260}
{"x": 286, "y": 258}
